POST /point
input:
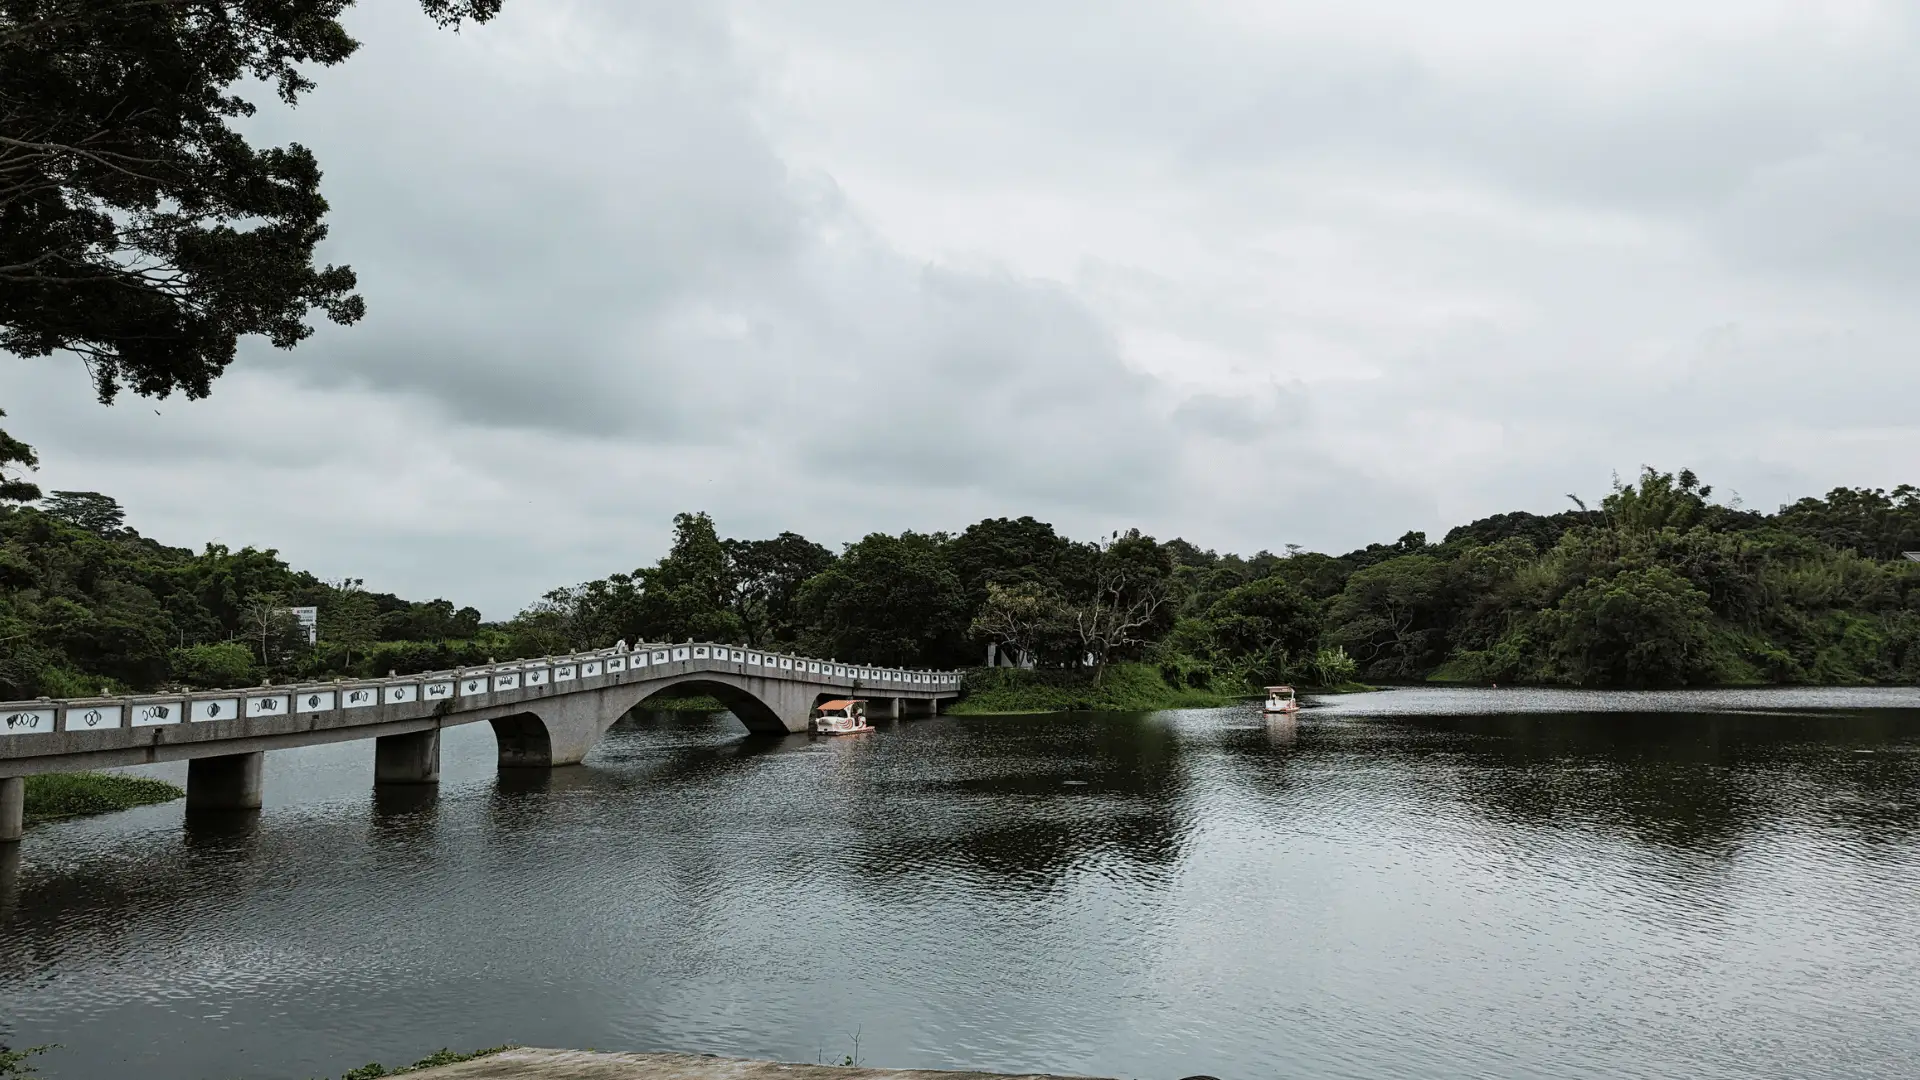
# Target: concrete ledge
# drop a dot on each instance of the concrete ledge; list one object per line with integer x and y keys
{"x": 529, "y": 1063}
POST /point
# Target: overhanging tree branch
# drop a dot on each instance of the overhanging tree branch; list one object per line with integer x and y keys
{"x": 138, "y": 230}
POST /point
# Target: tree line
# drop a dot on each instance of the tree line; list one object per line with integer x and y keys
{"x": 1657, "y": 586}
{"x": 88, "y": 604}
{"x": 143, "y": 233}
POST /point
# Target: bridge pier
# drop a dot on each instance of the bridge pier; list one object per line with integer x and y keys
{"x": 227, "y": 782}
{"x": 13, "y": 808}
{"x": 545, "y": 712}
{"x": 413, "y": 758}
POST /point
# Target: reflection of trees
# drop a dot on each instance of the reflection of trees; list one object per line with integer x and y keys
{"x": 1683, "y": 780}
{"x": 9, "y": 881}
{"x": 1010, "y": 799}
{"x": 688, "y": 747}
{"x": 1693, "y": 780}
{"x": 1033, "y": 801}
{"x": 108, "y": 888}
{"x": 1658, "y": 777}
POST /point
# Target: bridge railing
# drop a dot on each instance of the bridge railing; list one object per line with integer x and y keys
{"x": 24, "y": 719}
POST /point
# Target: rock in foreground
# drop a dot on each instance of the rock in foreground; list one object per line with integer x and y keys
{"x": 528, "y": 1063}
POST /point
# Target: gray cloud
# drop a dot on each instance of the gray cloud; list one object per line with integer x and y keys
{"x": 1249, "y": 274}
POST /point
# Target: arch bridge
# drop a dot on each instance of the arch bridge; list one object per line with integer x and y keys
{"x": 544, "y": 713}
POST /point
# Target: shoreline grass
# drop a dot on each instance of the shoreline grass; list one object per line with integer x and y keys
{"x": 59, "y": 796}
{"x": 1125, "y": 687}
{"x": 443, "y": 1056}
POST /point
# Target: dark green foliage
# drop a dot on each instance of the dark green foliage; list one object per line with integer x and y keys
{"x": 1413, "y": 543}
{"x": 1267, "y": 628}
{"x": 1319, "y": 577}
{"x": 139, "y": 229}
{"x": 1867, "y": 521}
{"x": 1644, "y": 627}
{"x": 15, "y": 456}
{"x": 86, "y": 609}
{"x": 1671, "y": 589}
{"x": 1541, "y": 531}
{"x": 1659, "y": 587}
{"x": 1391, "y": 617}
{"x": 87, "y": 510}
{"x": 1124, "y": 687}
{"x": 214, "y": 665}
{"x": 689, "y": 593}
{"x": 435, "y": 620}
{"x": 1013, "y": 551}
{"x": 888, "y": 600}
{"x": 764, "y": 578}
{"x": 352, "y": 620}
{"x": 1028, "y": 622}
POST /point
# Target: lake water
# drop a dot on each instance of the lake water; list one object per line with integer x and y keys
{"x": 1419, "y": 883}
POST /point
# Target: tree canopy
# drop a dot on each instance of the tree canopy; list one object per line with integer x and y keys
{"x": 16, "y": 457}
{"x": 139, "y": 230}
{"x": 1660, "y": 586}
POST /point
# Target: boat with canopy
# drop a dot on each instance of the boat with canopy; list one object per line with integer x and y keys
{"x": 842, "y": 716}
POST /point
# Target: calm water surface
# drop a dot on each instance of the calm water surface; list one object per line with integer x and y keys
{"x": 1420, "y": 883}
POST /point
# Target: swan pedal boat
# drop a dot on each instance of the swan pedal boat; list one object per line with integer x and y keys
{"x": 845, "y": 716}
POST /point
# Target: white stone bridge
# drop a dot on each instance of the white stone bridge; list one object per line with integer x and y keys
{"x": 544, "y": 713}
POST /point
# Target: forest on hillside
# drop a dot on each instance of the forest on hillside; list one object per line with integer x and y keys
{"x": 1658, "y": 586}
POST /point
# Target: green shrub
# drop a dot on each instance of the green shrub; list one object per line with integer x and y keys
{"x": 61, "y": 682}
{"x": 1333, "y": 667}
{"x": 224, "y": 664}
{"x": 1641, "y": 627}
{"x": 1124, "y": 687}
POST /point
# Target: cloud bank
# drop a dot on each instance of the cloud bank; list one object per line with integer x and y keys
{"x": 1246, "y": 273}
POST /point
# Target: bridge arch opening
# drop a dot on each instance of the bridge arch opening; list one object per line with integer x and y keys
{"x": 524, "y": 741}
{"x": 760, "y": 717}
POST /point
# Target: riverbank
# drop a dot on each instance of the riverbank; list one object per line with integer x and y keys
{"x": 530, "y": 1063}
{"x": 1126, "y": 687}
{"x": 56, "y": 796}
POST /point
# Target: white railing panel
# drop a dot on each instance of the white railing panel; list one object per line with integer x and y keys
{"x": 94, "y": 717}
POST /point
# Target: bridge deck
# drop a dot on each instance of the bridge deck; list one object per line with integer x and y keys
{"x": 104, "y": 732}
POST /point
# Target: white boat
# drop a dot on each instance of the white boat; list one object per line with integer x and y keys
{"x": 1280, "y": 700}
{"x": 842, "y": 716}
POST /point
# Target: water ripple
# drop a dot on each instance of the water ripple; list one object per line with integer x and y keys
{"x": 1415, "y": 884}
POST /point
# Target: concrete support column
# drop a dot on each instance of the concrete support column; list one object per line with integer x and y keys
{"x": 228, "y": 782}
{"x": 407, "y": 759}
{"x": 13, "y": 808}
{"x": 9, "y": 881}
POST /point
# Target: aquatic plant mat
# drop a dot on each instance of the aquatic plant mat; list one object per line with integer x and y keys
{"x": 68, "y": 795}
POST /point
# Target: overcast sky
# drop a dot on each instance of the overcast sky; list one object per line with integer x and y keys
{"x": 1251, "y": 272}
